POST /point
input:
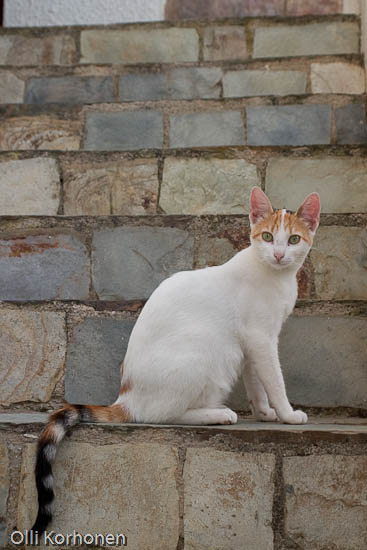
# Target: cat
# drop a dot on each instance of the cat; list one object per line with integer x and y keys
{"x": 198, "y": 332}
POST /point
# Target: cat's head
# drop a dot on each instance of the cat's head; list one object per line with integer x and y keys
{"x": 279, "y": 238}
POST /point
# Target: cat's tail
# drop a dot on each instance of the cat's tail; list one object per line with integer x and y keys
{"x": 60, "y": 422}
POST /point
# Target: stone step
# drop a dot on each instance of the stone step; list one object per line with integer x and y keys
{"x": 245, "y": 486}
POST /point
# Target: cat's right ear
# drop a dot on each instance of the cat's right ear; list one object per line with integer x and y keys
{"x": 260, "y": 206}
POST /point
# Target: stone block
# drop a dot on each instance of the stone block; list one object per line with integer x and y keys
{"x": 4, "y": 490}
{"x": 69, "y": 89}
{"x": 337, "y": 78}
{"x": 183, "y": 83}
{"x": 217, "y": 9}
{"x": 351, "y": 125}
{"x": 262, "y": 83}
{"x": 339, "y": 260}
{"x": 39, "y": 132}
{"x": 126, "y": 187}
{"x": 44, "y": 266}
{"x": 130, "y": 262}
{"x": 214, "y": 251}
{"x": 95, "y": 353}
{"x": 207, "y": 129}
{"x": 29, "y": 187}
{"x": 203, "y": 186}
{"x": 288, "y": 125}
{"x": 228, "y": 500}
{"x": 123, "y": 131}
{"x": 135, "y": 483}
{"x": 340, "y": 181}
{"x": 331, "y": 38}
{"x": 166, "y": 45}
{"x": 33, "y": 347}
{"x": 24, "y": 49}
{"x": 314, "y": 7}
{"x": 326, "y": 505}
{"x": 11, "y": 88}
{"x": 225, "y": 43}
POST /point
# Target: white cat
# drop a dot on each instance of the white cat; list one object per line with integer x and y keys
{"x": 198, "y": 332}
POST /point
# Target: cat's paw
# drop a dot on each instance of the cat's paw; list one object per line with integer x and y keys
{"x": 295, "y": 417}
{"x": 226, "y": 416}
{"x": 268, "y": 415}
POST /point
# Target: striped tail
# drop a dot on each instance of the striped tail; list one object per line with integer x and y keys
{"x": 60, "y": 422}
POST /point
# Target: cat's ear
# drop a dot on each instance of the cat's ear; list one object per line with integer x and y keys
{"x": 309, "y": 211}
{"x": 260, "y": 206}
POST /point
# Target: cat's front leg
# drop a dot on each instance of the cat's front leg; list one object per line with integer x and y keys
{"x": 257, "y": 396}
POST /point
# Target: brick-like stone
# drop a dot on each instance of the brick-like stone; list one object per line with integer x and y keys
{"x": 203, "y": 186}
{"x": 288, "y": 125}
{"x": 123, "y": 131}
{"x": 259, "y": 83}
{"x": 43, "y": 267}
{"x": 37, "y": 133}
{"x": 11, "y": 88}
{"x": 314, "y": 7}
{"x": 341, "y": 183}
{"x": 340, "y": 263}
{"x": 326, "y": 504}
{"x": 126, "y": 187}
{"x": 33, "y": 347}
{"x": 309, "y": 39}
{"x": 29, "y": 187}
{"x": 19, "y": 49}
{"x": 214, "y": 251}
{"x": 95, "y": 353}
{"x": 142, "y": 501}
{"x": 337, "y": 78}
{"x": 217, "y": 9}
{"x": 69, "y": 89}
{"x": 223, "y": 43}
{"x": 4, "y": 490}
{"x": 228, "y": 500}
{"x": 207, "y": 129}
{"x": 169, "y": 45}
{"x": 183, "y": 83}
{"x": 130, "y": 262}
{"x": 351, "y": 124}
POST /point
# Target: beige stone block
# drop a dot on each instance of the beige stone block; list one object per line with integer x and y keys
{"x": 221, "y": 43}
{"x": 11, "y": 88}
{"x": 337, "y": 78}
{"x": 228, "y": 500}
{"x": 32, "y": 351}
{"x": 18, "y": 49}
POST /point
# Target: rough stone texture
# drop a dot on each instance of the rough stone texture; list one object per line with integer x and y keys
{"x": 42, "y": 132}
{"x": 11, "y": 88}
{"x": 288, "y": 125}
{"x": 340, "y": 263}
{"x": 326, "y": 504}
{"x": 126, "y": 187}
{"x": 24, "y": 49}
{"x": 314, "y": 7}
{"x": 29, "y": 187}
{"x": 337, "y": 78}
{"x": 167, "y": 45}
{"x": 183, "y": 83}
{"x": 200, "y": 186}
{"x": 43, "y": 267}
{"x": 217, "y": 9}
{"x": 259, "y": 83}
{"x": 69, "y": 89}
{"x": 124, "y": 131}
{"x": 207, "y": 129}
{"x": 4, "y": 490}
{"x": 140, "y": 498}
{"x": 309, "y": 39}
{"x": 214, "y": 251}
{"x": 33, "y": 347}
{"x": 351, "y": 126}
{"x": 221, "y": 43}
{"x": 341, "y": 183}
{"x": 228, "y": 500}
{"x": 130, "y": 262}
{"x": 95, "y": 353}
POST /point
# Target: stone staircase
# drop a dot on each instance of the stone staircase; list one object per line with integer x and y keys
{"x": 127, "y": 153}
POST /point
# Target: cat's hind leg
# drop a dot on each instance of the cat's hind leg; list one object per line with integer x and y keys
{"x": 258, "y": 398}
{"x": 207, "y": 416}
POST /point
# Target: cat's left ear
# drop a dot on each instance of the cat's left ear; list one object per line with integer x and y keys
{"x": 309, "y": 211}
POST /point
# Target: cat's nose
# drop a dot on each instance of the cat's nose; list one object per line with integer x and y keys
{"x": 278, "y": 256}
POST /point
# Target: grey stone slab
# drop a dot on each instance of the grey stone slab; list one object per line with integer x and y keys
{"x": 351, "y": 124}
{"x": 4, "y": 481}
{"x": 308, "y": 39}
{"x": 23, "y": 418}
{"x": 124, "y": 131}
{"x": 11, "y": 88}
{"x": 288, "y": 125}
{"x": 130, "y": 262}
{"x": 225, "y": 43}
{"x": 43, "y": 267}
{"x": 184, "y": 83}
{"x": 95, "y": 353}
{"x": 262, "y": 83}
{"x": 69, "y": 89}
{"x": 207, "y": 129}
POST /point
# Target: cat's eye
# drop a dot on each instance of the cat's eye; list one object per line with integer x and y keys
{"x": 268, "y": 237}
{"x": 294, "y": 239}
